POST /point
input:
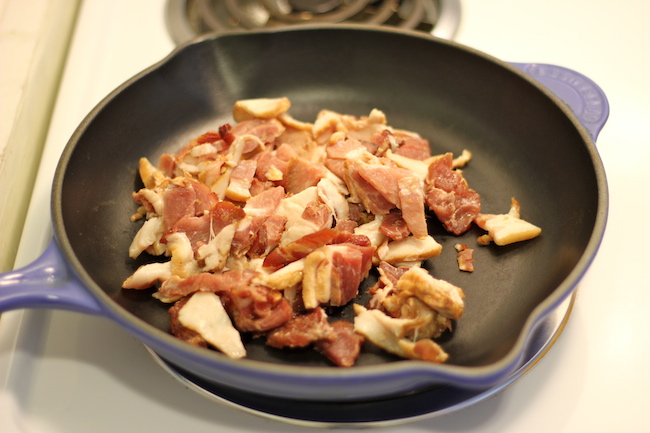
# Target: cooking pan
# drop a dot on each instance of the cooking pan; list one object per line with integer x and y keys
{"x": 526, "y": 142}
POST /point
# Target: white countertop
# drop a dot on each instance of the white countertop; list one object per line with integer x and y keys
{"x": 594, "y": 379}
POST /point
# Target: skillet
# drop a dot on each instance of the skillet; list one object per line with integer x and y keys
{"x": 526, "y": 144}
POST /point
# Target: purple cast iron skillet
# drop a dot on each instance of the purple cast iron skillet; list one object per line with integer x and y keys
{"x": 528, "y": 142}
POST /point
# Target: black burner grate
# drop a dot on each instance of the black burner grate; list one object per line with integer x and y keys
{"x": 187, "y": 19}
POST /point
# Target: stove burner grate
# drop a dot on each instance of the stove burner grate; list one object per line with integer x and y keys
{"x": 187, "y": 19}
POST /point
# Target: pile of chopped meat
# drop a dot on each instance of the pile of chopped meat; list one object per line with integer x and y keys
{"x": 268, "y": 222}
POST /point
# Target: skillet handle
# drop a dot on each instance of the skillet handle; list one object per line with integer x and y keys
{"x": 46, "y": 283}
{"x": 585, "y": 98}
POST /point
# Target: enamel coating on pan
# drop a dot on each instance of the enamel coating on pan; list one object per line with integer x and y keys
{"x": 526, "y": 143}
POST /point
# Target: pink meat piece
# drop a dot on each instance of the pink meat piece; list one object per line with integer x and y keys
{"x": 383, "y": 178}
{"x": 449, "y": 196}
{"x": 285, "y": 152}
{"x": 372, "y": 200}
{"x": 208, "y": 137}
{"x": 179, "y": 201}
{"x": 222, "y": 214}
{"x": 267, "y": 161}
{"x": 257, "y": 308}
{"x": 197, "y": 229}
{"x": 412, "y": 146}
{"x": 394, "y": 226}
{"x": 301, "y": 330}
{"x": 318, "y": 213}
{"x": 391, "y": 272}
{"x": 341, "y": 148}
{"x": 411, "y": 197}
{"x": 302, "y": 174}
{"x": 346, "y": 225}
{"x": 243, "y": 173}
{"x": 266, "y": 202}
{"x": 268, "y": 236}
{"x": 245, "y": 235}
{"x": 350, "y": 265}
{"x": 267, "y": 130}
{"x": 299, "y": 249}
{"x": 219, "y": 283}
{"x": 167, "y": 164}
{"x": 342, "y": 346}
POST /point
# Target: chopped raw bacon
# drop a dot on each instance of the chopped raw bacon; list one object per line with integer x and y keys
{"x": 449, "y": 196}
{"x": 394, "y": 226}
{"x": 266, "y": 130}
{"x": 343, "y": 346}
{"x": 183, "y": 332}
{"x": 464, "y": 257}
{"x": 272, "y": 222}
{"x": 298, "y": 249}
{"x": 301, "y": 330}
{"x": 301, "y": 174}
{"x": 268, "y": 236}
{"x": 412, "y": 145}
{"x": 257, "y": 308}
{"x": 219, "y": 283}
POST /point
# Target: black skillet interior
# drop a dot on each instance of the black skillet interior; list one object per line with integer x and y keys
{"x": 523, "y": 146}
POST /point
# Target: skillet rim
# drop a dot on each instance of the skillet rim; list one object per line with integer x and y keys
{"x": 456, "y": 375}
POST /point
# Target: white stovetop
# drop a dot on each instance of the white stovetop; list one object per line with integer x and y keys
{"x": 65, "y": 372}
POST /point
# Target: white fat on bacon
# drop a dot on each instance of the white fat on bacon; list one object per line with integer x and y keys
{"x": 410, "y": 249}
{"x": 332, "y": 196}
{"x": 150, "y": 175}
{"x": 284, "y": 278}
{"x": 148, "y": 275}
{"x": 419, "y": 167}
{"x": 182, "y": 256}
{"x": 148, "y": 236}
{"x": 204, "y": 314}
{"x": 389, "y": 334}
{"x": 262, "y": 108}
{"x": 292, "y": 208}
{"x": 505, "y": 229}
{"x": 442, "y": 296}
{"x": 233, "y": 157}
{"x": 371, "y": 230}
{"x": 215, "y": 253}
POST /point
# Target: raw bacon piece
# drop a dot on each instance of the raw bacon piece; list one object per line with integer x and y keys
{"x": 257, "y": 308}
{"x": 464, "y": 257}
{"x": 268, "y": 236}
{"x": 372, "y": 200}
{"x": 336, "y": 340}
{"x": 333, "y": 273}
{"x": 299, "y": 248}
{"x": 301, "y": 174}
{"x": 265, "y": 203}
{"x": 204, "y": 313}
{"x": 181, "y": 331}
{"x": 394, "y": 226}
{"x": 449, "y": 197}
{"x": 383, "y": 178}
{"x": 411, "y": 198}
{"x": 241, "y": 180}
{"x": 267, "y": 130}
{"x": 412, "y": 145}
{"x": 343, "y": 346}
{"x": 219, "y": 283}
{"x": 301, "y": 330}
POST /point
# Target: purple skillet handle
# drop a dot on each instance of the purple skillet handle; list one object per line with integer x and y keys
{"x": 48, "y": 282}
{"x": 585, "y": 98}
